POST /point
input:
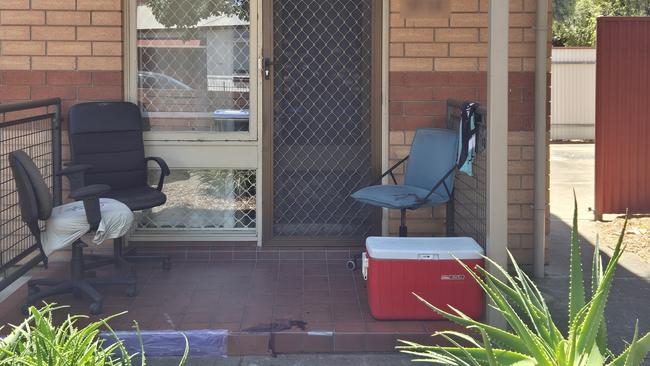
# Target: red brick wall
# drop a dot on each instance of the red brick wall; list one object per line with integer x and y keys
{"x": 66, "y": 48}
{"x": 432, "y": 60}
{"x": 73, "y": 49}
{"x": 71, "y": 86}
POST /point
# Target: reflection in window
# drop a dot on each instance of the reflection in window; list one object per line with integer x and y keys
{"x": 193, "y": 64}
{"x": 204, "y": 199}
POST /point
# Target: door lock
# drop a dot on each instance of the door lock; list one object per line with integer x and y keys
{"x": 266, "y": 67}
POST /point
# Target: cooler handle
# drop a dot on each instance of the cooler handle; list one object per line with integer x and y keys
{"x": 364, "y": 265}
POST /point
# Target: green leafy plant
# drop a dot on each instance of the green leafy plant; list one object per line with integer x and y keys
{"x": 574, "y": 23}
{"x": 532, "y": 337}
{"x": 187, "y": 13}
{"x": 38, "y": 341}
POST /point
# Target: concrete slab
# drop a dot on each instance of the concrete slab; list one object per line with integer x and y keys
{"x": 572, "y": 167}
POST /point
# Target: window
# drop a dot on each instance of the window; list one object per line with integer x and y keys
{"x": 193, "y": 60}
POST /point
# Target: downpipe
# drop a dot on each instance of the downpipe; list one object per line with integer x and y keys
{"x": 541, "y": 138}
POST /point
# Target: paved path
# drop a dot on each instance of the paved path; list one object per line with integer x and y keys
{"x": 572, "y": 167}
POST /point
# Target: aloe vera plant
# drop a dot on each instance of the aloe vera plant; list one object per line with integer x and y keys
{"x": 532, "y": 338}
{"x": 38, "y": 341}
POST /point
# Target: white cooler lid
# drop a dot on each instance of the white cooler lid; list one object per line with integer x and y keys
{"x": 440, "y": 248}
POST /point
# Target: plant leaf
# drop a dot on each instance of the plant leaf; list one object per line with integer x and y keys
{"x": 500, "y": 336}
{"x": 595, "y": 316}
{"x": 576, "y": 284}
{"x": 503, "y": 357}
{"x": 642, "y": 346}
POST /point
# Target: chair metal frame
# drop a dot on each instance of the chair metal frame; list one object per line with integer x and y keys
{"x": 79, "y": 283}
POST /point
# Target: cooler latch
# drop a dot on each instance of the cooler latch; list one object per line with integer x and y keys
{"x": 427, "y": 256}
{"x": 364, "y": 265}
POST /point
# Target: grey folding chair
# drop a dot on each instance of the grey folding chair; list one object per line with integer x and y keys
{"x": 36, "y": 206}
{"x": 428, "y": 180}
{"x": 436, "y": 154}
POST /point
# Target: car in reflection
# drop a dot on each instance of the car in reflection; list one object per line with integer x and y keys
{"x": 155, "y": 80}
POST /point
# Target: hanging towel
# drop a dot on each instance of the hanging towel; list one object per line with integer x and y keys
{"x": 467, "y": 132}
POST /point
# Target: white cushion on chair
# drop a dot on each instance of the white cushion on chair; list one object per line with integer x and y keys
{"x": 68, "y": 223}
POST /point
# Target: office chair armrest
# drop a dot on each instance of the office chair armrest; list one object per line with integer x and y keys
{"x": 390, "y": 171}
{"x": 90, "y": 196}
{"x": 164, "y": 170}
{"x": 76, "y": 174}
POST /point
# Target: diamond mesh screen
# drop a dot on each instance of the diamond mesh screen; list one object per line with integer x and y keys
{"x": 322, "y": 130}
{"x": 193, "y": 64}
{"x": 204, "y": 200}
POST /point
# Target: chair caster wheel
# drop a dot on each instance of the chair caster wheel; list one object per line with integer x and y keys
{"x": 95, "y": 308}
{"x": 352, "y": 265}
{"x": 131, "y": 290}
{"x": 33, "y": 290}
{"x": 166, "y": 265}
{"x": 25, "y": 309}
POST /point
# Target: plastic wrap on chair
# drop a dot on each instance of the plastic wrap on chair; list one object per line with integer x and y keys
{"x": 69, "y": 223}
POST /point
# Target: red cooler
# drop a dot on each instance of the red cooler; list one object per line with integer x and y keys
{"x": 396, "y": 267}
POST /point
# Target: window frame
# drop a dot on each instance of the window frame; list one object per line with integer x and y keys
{"x": 130, "y": 75}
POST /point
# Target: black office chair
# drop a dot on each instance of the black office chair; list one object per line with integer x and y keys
{"x": 107, "y": 147}
{"x": 67, "y": 222}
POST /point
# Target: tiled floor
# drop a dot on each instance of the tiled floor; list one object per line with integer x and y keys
{"x": 268, "y": 305}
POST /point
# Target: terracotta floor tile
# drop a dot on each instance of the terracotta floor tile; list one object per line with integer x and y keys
{"x": 318, "y": 343}
{"x": 240, "y": 344}
{"x": 244, "y": 294}
{"x": 350, "y": 327}
{"x": 349, "y": 342}
{"x": 315, "y": 268}
{"x": 320, "y": 327}
{"x": 287, "y": 342}
{"x": 291, "y": 312}
{"x": 317, "y": 313}
{"x": 381, "y": 326}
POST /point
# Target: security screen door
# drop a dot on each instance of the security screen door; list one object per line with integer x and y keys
{"x": 321, "y": 123}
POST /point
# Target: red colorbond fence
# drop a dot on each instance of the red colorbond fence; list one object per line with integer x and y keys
{"x": 623, "y": 115}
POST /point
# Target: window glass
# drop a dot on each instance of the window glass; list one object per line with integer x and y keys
{"x": 193, "y": 64}
{"x": 203, "y": 199}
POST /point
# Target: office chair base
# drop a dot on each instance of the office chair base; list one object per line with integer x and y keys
{"x": 121, "y": 259}
{"x": 78, "y": 284}
{"x": 84, "y": 287}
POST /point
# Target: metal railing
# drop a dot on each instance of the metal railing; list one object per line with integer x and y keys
{"x": 34, "y": 127}
{"x": 470, "y": 192}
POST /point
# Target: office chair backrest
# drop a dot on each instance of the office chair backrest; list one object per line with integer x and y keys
{"x": 108, "y": 135}
{"x": 433, "y": 153}
{"x": 33, "y": 194}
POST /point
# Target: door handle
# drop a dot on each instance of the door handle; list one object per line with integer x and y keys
{"x": 266, "y": 67}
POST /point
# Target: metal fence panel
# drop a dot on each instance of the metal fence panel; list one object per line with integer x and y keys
{"x": 33, "y": 127}
{"x": 622, "y": 115}
{"x": 573, "y": 94}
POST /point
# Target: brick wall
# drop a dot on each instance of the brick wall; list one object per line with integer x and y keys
{"x": 432, "y": 60}
{"x": 72, "y": 49}
{"x": 66, "y": 48}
